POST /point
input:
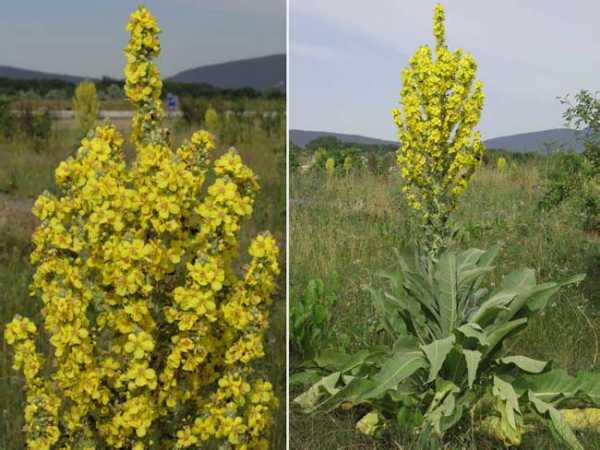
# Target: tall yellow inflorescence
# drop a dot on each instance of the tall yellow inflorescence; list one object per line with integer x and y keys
{"x": 153, "y": 330}
{"x": 439, "y": 150}
{"x": 143, "y": 85}
{"x": 85, "y": 105}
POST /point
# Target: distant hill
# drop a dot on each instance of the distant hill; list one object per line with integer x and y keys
{"x": 267, "y": 72}
{"x": 518, "y": 143}
{"x": 303, "y": 137}
{"x": 536, "y": 141}
{"x": 26, "y": 74}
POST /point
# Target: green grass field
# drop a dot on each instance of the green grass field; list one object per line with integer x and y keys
{"x": 350, "y": 224}
{"x": 24, "y": 174}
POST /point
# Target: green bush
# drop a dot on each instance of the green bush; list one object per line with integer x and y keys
{"x": 311, "y": 317}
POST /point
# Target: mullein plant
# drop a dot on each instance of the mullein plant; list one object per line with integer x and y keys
{"x": 153, "y": 334}
{"x": 444, "y": 363}
{"x": 440, "y": 149}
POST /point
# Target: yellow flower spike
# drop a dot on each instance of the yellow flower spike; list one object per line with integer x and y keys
{"x": 439, "y": 148}
{"x": 144, "y": 304}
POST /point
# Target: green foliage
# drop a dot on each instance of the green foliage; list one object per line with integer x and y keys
{"x": 85, "y": 105}
{"x": 6, "y": 119}
{"x": 193, "y": 110}
{"x": 294, "y": 161}
{"x": 34, "y": 125}
{"x": 444, "y": 359}
{"x": 572, "y": 179}
{"x": 584, "y": 114}
{"x": 311, "y": 316}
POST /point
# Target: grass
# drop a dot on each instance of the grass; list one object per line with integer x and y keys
{"x": 350, "y": 225}
{"x": 24, "y": 174}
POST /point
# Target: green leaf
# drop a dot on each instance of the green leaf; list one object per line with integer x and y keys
{"x": 518, "y": 280}
{"x": 497, "y": 333}
{"x": 489, "y": 309}
{"x": 525, "y": 363}
{"x": 506, "y": 393}
{"x": 473, "y": 358}
{"x": 308, "y": 400}
{"x": 399, "y": 367}
{"x": 557, "y": 384}
{"x": 354, "y": 392}
{"x": 436, "y": 353}
{"x": 306, "y": 377}
{"x": 473, "y": 330}
{"x": 559, "y": 425}
{"x": 340, "y": 361}
{"x": 447, "y": 285}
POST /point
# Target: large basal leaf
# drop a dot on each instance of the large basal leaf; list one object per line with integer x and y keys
{"x": 518, "y": 280}
{"x": 473, "y": 330}
{"x": 309, "y": 399}
{"x": 436, "y": 353}
{"x": 497, "y": 333}
{"x": 559, "y": 425}
{"x": 442, "y": 406}
{"x": 472, "y": 358}
{"x": 354, "y": 392}
{"x": 399, "y": 367}
{"x": 447, "y": 292}
{"x": 539, "y": 301}
{"x": 556, "y": 385}
{"x": 491, "y": 308}
{"x": 509, "y": 399}
{"x": 340, "y": 361}
{"x": 525, "y": 363}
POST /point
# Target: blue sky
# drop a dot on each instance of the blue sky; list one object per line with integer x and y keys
{"x": 346, "y": 58}
{"x": 87, "y": 37}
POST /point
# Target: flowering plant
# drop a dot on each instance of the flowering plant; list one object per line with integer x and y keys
{"x": 153, "y": 332}
{"x": 440, "y": 150}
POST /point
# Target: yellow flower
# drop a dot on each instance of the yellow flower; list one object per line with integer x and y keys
{"x": 139, "y": 344}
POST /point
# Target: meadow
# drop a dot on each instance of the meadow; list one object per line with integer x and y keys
{"x": 348, "y": 224}
{"x": 25, "y": 173}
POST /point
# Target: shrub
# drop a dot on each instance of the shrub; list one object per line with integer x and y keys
{"x": 193, "y": 110}
{"x": 441, "y": 105}
{"x": 35, "y": 125}
{"x": 85, "y": 105}
{"x": 6, "y": 118}
{"x": 153, "y": 331}
{"x": 311, "y": 317}
{"x": 573, "y": 179}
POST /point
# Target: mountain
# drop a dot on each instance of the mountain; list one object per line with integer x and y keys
{"x": 535, "y": 141}
{"x": 303, "y": 137}
{"x": 26, "y": 74}
{"x": 262, "y": 73}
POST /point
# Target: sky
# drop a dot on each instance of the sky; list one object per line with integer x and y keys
{"x": 87, "y": 37}
{"x": 346, "y": 58}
